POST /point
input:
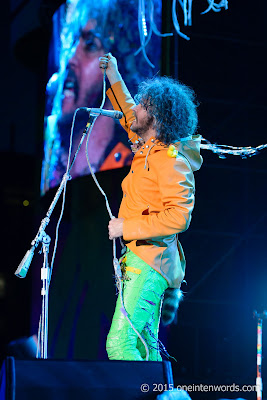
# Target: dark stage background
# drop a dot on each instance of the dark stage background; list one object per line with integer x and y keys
{"x": 214, "y": 340}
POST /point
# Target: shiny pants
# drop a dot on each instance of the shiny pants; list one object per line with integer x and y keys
{"x": 142, "y": 296}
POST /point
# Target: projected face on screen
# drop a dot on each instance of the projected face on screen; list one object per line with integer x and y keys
{"x": 87, "y": 32}
{"x": 84, "y": 78}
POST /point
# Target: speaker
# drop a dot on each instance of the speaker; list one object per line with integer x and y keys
{"x": 68, "y": 380}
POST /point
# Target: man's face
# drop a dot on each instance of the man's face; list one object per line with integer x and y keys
{"x": 143, "y": 121}
{"x": 83, "y": 82}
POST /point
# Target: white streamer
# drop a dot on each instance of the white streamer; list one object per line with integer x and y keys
{"x": 223, "y": 149}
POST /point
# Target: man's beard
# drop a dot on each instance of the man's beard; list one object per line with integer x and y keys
{"x": 142, "y": 130}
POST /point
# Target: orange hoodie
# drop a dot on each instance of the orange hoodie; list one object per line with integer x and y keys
{"x": 158, "y": 196}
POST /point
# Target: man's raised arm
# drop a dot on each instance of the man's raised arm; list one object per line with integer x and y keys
{"x": 118, "y": 94}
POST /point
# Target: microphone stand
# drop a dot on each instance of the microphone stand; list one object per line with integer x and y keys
{"x": 42, "y": 236}
{"x": 259, "y": 317}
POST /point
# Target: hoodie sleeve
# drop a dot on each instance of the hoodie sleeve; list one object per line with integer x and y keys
{"x": 122, "y": 100}
{"x": 177, "y": 188}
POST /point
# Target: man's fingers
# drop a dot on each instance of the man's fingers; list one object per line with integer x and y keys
{"x": 109, "y": 230}
{"x": 103, "y": 62}
{"x": 109, "y": 233}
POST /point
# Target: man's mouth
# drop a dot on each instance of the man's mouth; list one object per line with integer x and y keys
{"x": 70, "y": 88}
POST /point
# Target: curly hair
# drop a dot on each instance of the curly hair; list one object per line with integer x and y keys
{"x": 173, "y": 106}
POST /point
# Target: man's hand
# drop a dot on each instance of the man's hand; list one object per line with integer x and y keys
{"x": 115, "y": 228}
{"x": 109, "y": 63}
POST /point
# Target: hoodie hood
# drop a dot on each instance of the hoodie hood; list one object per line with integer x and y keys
{"x": 191, "y": 150}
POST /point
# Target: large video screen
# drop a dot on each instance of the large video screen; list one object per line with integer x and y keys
{"x": 83, "y": 31}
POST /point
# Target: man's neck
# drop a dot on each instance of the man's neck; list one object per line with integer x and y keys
{"x": 148, "y": 135}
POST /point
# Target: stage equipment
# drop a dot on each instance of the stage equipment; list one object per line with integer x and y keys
{"x": 94, "y": 112}
{"x": 83, "y": 380}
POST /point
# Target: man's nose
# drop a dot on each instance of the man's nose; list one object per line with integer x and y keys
{"x": 135, "y": 107}
{"x": 74, "y": 60}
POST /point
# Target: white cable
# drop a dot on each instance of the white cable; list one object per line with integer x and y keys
{"x": 152, "y": 23}
{"x": 123, "y": 310}
{"x": 186, "y": 6}
{"x": 63, "y": 198}
{"x": 175, "y": 21}
{"x": 189, "y": 12}
{"x": 216, "y": 7}
{"x": 104, "y": 90}
{"x": 185, "y": 12}
{"x": 152, "y": 28}
{"x": 38, "y": 339}
{"x": 141, "y": 25}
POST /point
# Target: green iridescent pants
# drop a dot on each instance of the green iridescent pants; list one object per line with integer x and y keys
{"x": 142, "y": 296}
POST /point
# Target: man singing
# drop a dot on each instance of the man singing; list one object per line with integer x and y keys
{"x": 157, "y": 203}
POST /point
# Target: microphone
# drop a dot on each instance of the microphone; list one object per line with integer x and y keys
{"x": 23, "y": 267}
{"x": 94, "y": 112}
